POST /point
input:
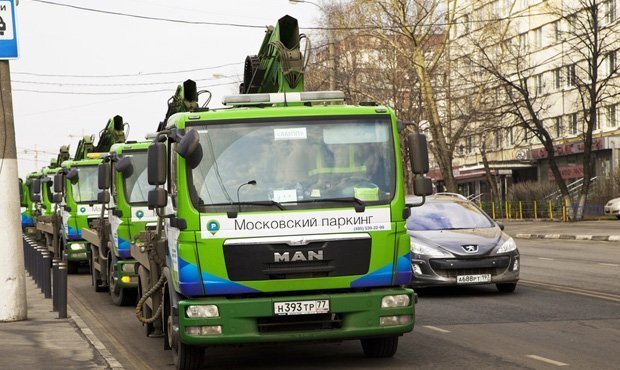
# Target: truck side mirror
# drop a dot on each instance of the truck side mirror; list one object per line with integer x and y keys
{"x": 156, "y": 166}
{"x": 157, "y": 198}
{"x": 73, "y": 175}
{"x": 418, "y": 153}
{"x": 422, "y": 186}
{"x": 58, "y": 182}
{"x": 35, "y": 186}
{"x": 57, "y": 198}
{"x": 103, "y": 197}
{"x": 21, "y": 193}
{"x": 124, "y": 166}
{"x": 104, "y": 173}
{"x": 188, "y": 143}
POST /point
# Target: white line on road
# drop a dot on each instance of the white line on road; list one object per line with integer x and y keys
{"x": 547, "y": 360}
{"x": 437, "y": 329}
{"x": 609, "y": 264}
{"x": 546, "y": 258}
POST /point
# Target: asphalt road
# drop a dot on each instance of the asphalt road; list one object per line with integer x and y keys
{"x": 564, "y": 313}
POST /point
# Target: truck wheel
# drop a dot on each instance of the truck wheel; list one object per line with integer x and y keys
{"x": 120, "y": 296}
{"x": 72, "y": 267}
{"x": 184, "y": 356}
{"x": 380, "y": 347}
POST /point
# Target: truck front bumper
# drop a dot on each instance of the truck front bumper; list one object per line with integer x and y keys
{"x": 352, "y": 315}
{"x": 127, "y": 277}
{"x": 77, "y": 251}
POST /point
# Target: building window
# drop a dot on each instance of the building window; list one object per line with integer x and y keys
{"x": 509, "y": 136}
{"x": 557, "y": 78}
{"x": 611, "y": 62}
{"x": 540, "y": 84}
{"x": 600, "y": 119}
{"x": 612, "y": 115}
{"x": 557, "y": 31}
{"x": 571, "y": 75}
{"x": 573, "y": 123}
{"x": 469, "y": 143}
{"x": 572, "y": 24}
{"x": 558, "y": 127}
{"x": 537, "y": 37}
{"x": 497, "y": 139}
{"x": 610, "y": 11}
{"x": 466, "y": 24}
{"x": 522, "y": 40}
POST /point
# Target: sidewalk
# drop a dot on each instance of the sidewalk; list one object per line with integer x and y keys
{"x": 584, "y": 230}
{"x": 45, "y": 342}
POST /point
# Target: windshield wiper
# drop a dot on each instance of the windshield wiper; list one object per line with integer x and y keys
{"x": 233, "y": 214}
{"x": 358, "y": 204}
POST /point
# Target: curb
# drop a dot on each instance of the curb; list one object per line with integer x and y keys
{"x": 601, "y": 238}
{"x": 109, "y": 359}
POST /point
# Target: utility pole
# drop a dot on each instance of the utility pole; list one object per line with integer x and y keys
{"x": 13, "y": 305}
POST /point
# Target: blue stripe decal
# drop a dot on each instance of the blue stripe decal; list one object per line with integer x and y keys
{"x": 380, "y": 277}
{"x": 74, "y": 233}
{"x": 27, "y": 221}
{"x": 189, "y": 279}
{"x": 403, "y": 270}
{"x": 123, "y": 248}
{"x": 215, "y": 285}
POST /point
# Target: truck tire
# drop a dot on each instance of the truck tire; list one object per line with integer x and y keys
{"x": 380, "y": 347}
{"x": 184, "y": 356}
{"x": 120, "y": 296}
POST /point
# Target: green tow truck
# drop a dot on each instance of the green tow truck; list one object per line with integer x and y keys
{"x": 281, "y": 218}
{"x": 123, "y": 179}
{"x": 80, "y": 206}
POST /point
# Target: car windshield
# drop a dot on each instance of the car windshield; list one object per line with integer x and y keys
{"x": 85, "y": 189}
{"x": 447, "y": 216}
{"x": 296, "y": 164}
{"x": 136, "y": 184}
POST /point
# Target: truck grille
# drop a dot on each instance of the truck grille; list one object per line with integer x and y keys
{"x": 271, "y": 261}
{"x": 299, "y": 322}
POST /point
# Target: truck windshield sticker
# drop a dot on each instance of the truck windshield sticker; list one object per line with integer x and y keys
{"x": 295, "y": 133}
{"x": 285, "y": 195}
{"x": 324, "y": 222}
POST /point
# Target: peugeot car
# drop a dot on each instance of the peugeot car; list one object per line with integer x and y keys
{"x": 453, "y": 242}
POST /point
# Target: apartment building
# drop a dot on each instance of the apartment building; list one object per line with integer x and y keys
{"x": 542, "y": 43}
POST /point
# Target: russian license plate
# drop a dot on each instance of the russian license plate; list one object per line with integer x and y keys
{"x": 301, "y": 307}
{"x": 473, "y": 279}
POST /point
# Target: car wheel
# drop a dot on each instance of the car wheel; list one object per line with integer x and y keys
{"x": 380, "y": 347}
{"x": 506, "y": 287}
{"x": 618, "y": 217}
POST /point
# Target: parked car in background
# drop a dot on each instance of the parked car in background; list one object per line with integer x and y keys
{"x": 612, "y": 208}
{"x": 453, "y": 242}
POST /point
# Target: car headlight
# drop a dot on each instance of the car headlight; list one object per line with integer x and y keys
{"x": 418, "y": 247}
{"x": 508, "y": 246}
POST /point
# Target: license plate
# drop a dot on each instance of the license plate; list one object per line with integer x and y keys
{"x": 301, "y": 307}
{"x": 473, "y": 279}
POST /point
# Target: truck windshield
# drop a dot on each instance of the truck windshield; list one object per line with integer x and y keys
{"x": 136, "y": 185}
{"x": 85, "y": 189}
{"x": 300, "y": 164}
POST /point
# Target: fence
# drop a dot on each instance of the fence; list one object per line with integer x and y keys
{"x": 555, "y": 209}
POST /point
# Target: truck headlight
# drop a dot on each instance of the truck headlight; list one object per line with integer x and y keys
{"x": 399, "y": 300}
{"x": 77, "y": 247}
{"x": 508, "y": 246}
{"x": 208, "y": 310}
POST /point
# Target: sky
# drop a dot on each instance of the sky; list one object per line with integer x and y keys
{"x": 143, "y": 59}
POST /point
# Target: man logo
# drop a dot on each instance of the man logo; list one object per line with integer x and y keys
{"x": 298, "y": 256}
{"x": 470, "y": 248}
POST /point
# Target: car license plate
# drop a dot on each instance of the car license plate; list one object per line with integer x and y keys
{"x": 301, "y": 307}
{"x": 473, "y": 279}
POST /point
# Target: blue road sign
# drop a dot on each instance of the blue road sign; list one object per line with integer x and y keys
{"x": 8, "y": 33}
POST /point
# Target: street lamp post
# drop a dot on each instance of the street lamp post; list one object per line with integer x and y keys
{"x": 330, "y": 46}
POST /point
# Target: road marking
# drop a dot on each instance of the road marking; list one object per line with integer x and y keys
{"x": 437, "y": 329}
{"x": 546, "y": 258}
{"x": 609, "y": 264}
{"x": 573, "y": 290}
{"x": 547, "y": 360}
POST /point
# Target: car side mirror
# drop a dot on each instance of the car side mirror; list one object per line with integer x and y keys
{"x": 501, "y": 225}
{"x": 157, "y": 198}
{"x": 422, "y": 186}
{"x": 103, "y": 197}
{"x": 57, "y": 198}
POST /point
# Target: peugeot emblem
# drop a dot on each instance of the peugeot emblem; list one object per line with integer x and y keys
{"x": 470, "y": 248}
